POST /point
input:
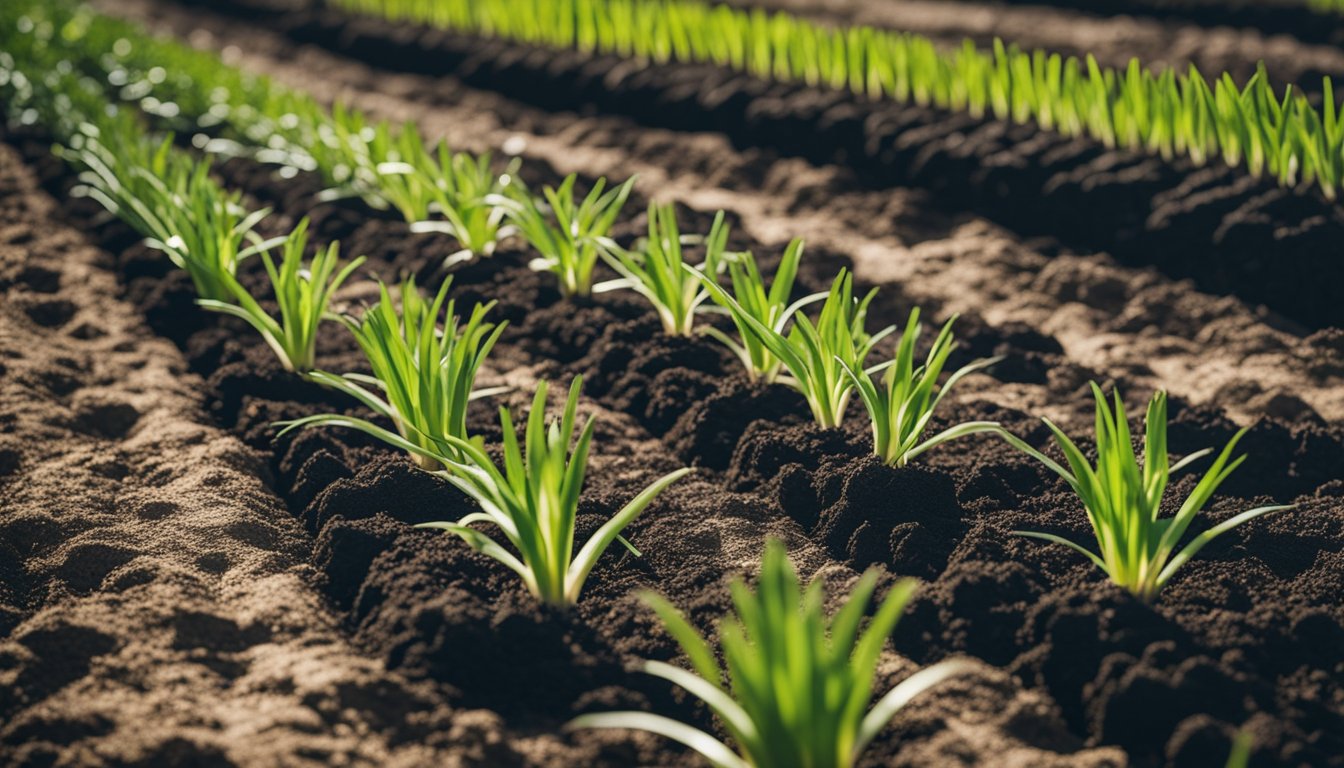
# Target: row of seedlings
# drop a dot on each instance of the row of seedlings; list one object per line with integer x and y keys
{"x": 1283, "y": 135}
{"x": 424, "y": 373}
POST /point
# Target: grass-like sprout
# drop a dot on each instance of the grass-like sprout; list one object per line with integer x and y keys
{"x": 768, "y": 305}
{"x": 423, "y": 376}
{"x": 172, "y": 201}
{"x": 1240, "y": 755}
{"x": 901, "y": 410}
{"x": 534, "y": 498}
{"x": 380, "y": 164}
{"x": 796, "y": 685}
{"x": 303, "y": 294}
{"x": 467, "y": 194}
{"x": 1123, "y": 497}
{"x": 816, "y": 354}
{"x": 568, "y": 235}
{"x": 659, "y": 272}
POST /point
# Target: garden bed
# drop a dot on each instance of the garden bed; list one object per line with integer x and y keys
{"x": 1075, "y": 672}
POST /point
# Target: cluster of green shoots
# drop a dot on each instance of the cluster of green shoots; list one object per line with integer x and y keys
{"x": 423, "y": 379}
{"x": 1278, "y": 134}
{"x": 657, "y": 269}
{"x": 171, "y": 200}
{"x": 533, "y": 499}
{"x": 567, "y": 234}
{"x": 164, "y": 193}
{"x": 423, "y": 375}
{"x": 1326, "y": 6}
{"x": 795, "y": 687}
{"x": 768, "y": 305}
{"x": 303, "y": 293}
{"x": 1136, "y": 546}
{"x": 434, "y": 190}
{"x": 902, "y": 409}
{"x": 231, "y": 112}
{"x": 817, "y": 354}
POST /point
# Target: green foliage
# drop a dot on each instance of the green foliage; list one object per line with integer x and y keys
{"x": 1123, "y": 497}
{"x": 163, "y": 193}
{"x": 1240, "y": 756}
{"x": 901, "y": 412}
{"x": 795, "y": 687}
{"x": 423, "y": 376}
{"x": 302, "y": 293}
{"x": 232, "y": 112}
{"x": 815, "y": 354}
{"x": 1282, "y": 135}
{"x": 658, "y": 271}
{"x": 1326, "y": 6}
{"x": 468, "y": 195}
{"x": 769, "y": 306}
{"x": 568, "y": 235}
{"x": 170, "y": 199}
{"x": 534, "y": 500}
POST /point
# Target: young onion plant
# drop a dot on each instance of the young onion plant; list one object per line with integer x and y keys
{"x": 468, "y": 195}
{"x": 172, "y": 201}
{"x": 795, "y": 686}
{"x": 659, "y": 272}
{"x": 568, "y": 235}
{"x": 533, "y": 499}
{"x": 902, "y": 409}
{"x": 815, "y": 354}
{"x": 1137, "y": 548}
{"x": 423, "y": 376}
{"x": 768, "y": 305}
{"x": 303, "y": 294}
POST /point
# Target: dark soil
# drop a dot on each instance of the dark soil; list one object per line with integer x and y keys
{"x": 1249, "y": 634}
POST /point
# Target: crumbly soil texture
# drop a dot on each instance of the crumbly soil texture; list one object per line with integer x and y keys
{"x": 180, "y": 585}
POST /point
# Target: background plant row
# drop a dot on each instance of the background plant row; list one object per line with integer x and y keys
{"x": 1251, "y": 126}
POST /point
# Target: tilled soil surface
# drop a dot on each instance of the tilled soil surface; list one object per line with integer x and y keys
{"x": 158, "y": 603}
{"x": 434, "y": 655}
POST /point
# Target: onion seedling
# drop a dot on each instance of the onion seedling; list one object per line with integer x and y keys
{"x": 379, "y": 164}
{"x": 769, "y": 306}
{"x": 568, "y": 235}
{"x": 172, "y": 201}
{"x": 795, "y": 686}
{"x": 659, "y": 272}
{"x": 816, "y": 355}
{"x": 1123, "y": 497}
{"x": 468, "y": 196}
{"x": 302, "y": 293}
{"x": 901, "y": 413}
{"x": 534, "y": 499}
{"x": 423, "y": 377}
